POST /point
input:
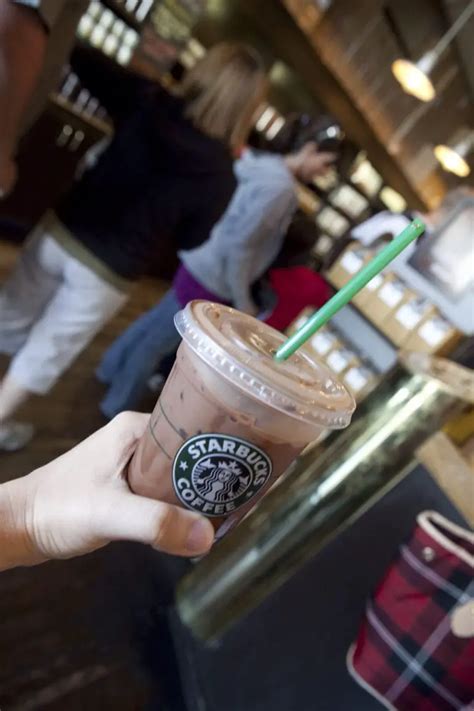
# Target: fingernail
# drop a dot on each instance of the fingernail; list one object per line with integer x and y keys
{"x": 200, "y": 537}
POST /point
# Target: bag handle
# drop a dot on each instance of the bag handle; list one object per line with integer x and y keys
{"x": 441, "y": 530}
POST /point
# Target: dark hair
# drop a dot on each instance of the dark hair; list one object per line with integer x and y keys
{"x": 299, "y": 241}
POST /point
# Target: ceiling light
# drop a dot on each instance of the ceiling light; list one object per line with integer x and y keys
{"x": 414, "y": 76}
{"x": 453, "y": 159}
{"x": 413, "y": 79}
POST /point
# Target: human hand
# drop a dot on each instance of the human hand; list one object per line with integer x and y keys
{"x": 81, "y": 501}
{"x": 309, "y": 162}
{"x": 8, "y": 177}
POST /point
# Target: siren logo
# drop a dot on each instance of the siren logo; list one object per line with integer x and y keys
{"x": 216, "y": 474}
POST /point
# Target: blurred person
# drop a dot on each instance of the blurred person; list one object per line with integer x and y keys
{"x": 36, "y": 37}
{"x": 81, "y": 502}
{"x": 385, "y": 225}
{"x": 225, "y": 269}
{"x": 296, "y": 288}
{"x": 294, "y": 280}
{"x": 294, "y": 277}
{"x": 164, "y": 180}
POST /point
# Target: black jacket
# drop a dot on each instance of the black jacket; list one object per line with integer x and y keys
{"x": 159, "y": 179}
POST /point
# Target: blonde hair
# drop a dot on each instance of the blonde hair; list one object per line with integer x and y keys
{"x": 223, "y": 91}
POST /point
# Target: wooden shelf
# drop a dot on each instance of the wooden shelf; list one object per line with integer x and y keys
{"x": 119, "y": 10}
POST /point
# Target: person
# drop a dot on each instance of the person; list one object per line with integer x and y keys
{"x": 241, "y": 248}
{"x": 296, "y": 288}
{"x": 36, "y": 37}
{"x": 164, "y": 180}
{"x": 385, "y": 225}
{"x": 81, "y": 501}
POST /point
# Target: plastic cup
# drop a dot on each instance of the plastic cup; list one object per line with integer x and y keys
{"x": 230, "y": 420}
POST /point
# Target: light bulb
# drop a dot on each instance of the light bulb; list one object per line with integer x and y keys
{"x": 452, "y": 161}
{"x": 413, "y": 80}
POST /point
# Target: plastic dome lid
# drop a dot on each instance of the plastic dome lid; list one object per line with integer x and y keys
{"x": 241, "y": 349}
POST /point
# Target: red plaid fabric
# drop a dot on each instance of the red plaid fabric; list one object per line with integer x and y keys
{"x": 407, "y": 654}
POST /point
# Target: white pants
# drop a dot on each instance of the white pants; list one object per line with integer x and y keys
{"x": 50, "y": 309}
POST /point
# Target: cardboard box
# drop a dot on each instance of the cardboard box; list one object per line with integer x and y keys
{"x": 340, "y": 359}
{"x": 363, "y": 298}
{"x": 348, "y": 264}
{"x": 300, "y": 320}
{"x": 385, "y": 300}
{"x": 360, "y": 380}
{"x": 434, "y": 335}
{"x": 323, "y": 341}
{"x": 406, "y": 319}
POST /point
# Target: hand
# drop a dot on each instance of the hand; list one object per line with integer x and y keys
{"x": 321, "y": 162}
{"x": 308, "y": 162}
{"x": 81, "y": 501}
{"x": 8, "y": 177}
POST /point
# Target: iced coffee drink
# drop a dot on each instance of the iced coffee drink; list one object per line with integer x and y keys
{"x": 230, "y": 420}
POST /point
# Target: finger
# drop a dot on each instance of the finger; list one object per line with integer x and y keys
{"x": 122, "y": 434}
{"x": 110, "y": 448}
{"x": 129, "y": 426}
{"x": 166, "y": 527}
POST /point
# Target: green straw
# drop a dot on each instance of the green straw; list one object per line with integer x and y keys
{"x": 349, "y": 290}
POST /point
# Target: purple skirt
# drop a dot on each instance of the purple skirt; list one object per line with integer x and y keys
{"x": 187, "y": 288}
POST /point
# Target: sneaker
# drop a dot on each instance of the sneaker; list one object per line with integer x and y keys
{"x": 156, "y": 382}
{"x": 15, "y": 436}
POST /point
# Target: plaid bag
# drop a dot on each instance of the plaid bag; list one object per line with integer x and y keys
{"x": 415, "y": 649}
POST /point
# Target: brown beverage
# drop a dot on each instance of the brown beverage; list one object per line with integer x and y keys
{"x": 230, "y": 420}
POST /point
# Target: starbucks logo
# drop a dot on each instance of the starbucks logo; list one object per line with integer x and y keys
{"x": 216, "y": 474}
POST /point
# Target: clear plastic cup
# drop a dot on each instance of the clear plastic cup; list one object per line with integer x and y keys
{"x": 230, "y": 420}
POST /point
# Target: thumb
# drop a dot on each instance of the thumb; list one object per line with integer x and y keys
{"x": 166, "y": 527}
